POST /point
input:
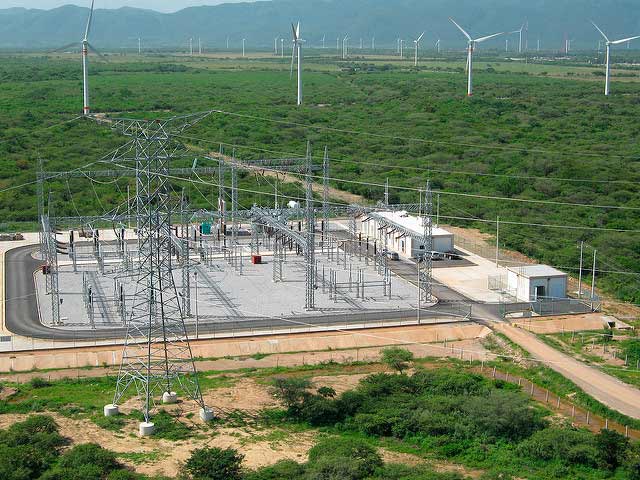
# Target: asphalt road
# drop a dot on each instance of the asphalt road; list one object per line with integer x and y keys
{"x": 22, "y": 318}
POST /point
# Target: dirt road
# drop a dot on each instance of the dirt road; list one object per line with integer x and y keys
{"x": 604, "y": 388}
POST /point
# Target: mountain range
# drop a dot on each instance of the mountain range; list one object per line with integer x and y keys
{"x": 551, "y": 21}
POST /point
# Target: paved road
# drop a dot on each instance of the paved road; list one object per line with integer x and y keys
{"x": 604, "y": 388}
{"x": 22, "y": 318}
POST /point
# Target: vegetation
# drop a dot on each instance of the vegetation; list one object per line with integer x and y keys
{"x": 522, "y": 137}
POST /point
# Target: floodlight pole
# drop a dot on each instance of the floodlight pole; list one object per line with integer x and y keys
{"x": 580, "y": 271}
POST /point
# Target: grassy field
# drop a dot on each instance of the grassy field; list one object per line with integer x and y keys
{"x": 525, "y": 136}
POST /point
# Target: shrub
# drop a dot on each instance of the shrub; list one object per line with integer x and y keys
{"x": 37, "y": 382}
{"x": 362, "y": 459}
{"x": 291, "y": 392}
{"x": 569, "y": 446}
{"x": 283, "y": 470}
{"x": 214, "y": 464}
{"x": 398, "y": 359}
{"x": 613, "y": 448}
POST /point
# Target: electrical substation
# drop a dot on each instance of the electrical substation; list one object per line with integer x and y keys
{"x": 156, "y": 272}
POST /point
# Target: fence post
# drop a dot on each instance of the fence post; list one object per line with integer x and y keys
{"x": 606, "y": 423}
{"x": 546, "y": 398}
{"x": 588, "y": 423}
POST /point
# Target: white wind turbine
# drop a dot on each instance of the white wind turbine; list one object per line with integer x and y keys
{"x": 607, "y": 82}
{"x": 275, "y": 45}
{"x": 297, "y": 51}
{"x": 520, "y": 33}
{"x": 417, "y": 45}
{"x": 85, "y": 47}
{"x": 85, "y": 62}
{"x": 471, "y": 44}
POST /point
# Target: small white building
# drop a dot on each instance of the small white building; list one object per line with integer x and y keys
{"x": 533, "y": 282}
{"x": 406, "y": 245}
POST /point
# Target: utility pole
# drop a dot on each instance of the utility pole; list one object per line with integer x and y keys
{"x": 580, "y": 271}
{"x": 593, "y": 277}
{"x": 497, "y": 241}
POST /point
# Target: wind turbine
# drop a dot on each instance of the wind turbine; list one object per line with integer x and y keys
{"x": 139, "y": 46}
{"x": 191, "y": 46}
{"x": 244, "y": 40}
{"x": 85, "y": 62}
{"x": 323, "y": 44}
{"x": 297, "y": 50}
{"x": 471, "y": 44}
{"x": 275, "y": 45}
{"x": 438, "y": 46}
{"x": 417, "y": 44}
{"x": 282, "y": 48}
{"x": 520, "y": 33}
{"x": 373, "y": 43}
{"x": 345, "y": 47}
{"x": 607, "y": 82}
{"x": 401, "y": 48}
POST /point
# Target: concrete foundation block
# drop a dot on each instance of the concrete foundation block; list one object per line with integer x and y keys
{"x": 169, "y": 397}
{"x": 146, "y": 429}
{"x": 206, "y": 414}
{"x": 111, "y": 410}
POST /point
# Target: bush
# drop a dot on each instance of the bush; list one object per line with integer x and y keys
{"x": 573, "y": 447}
{"x": 319, "y": 411}
{"x": 328, "y": 454}
{"x": 37, "y": 382}
{"x": 502, "y": 415}
{"x": 214, "y": 464}
{"x": 613, "y": 448}
{"x": 291, "y": 392}
{"x": 283, "y": 470}
{"x": 398, "y": 359}
{"x": 84, "y": 462}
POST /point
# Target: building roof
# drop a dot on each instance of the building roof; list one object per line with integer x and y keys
{"x": 412, "y": 222}
{"x": 533, "y": 271}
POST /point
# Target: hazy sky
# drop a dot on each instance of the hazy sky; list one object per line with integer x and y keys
{"x": 159, "y": 5}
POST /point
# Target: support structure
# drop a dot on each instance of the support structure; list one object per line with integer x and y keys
{"x": 309, "y": 251}
{"x": 163, "y": 361}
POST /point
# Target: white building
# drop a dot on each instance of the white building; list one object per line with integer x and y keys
{"x": 406, "y": 239}
{"x": 534, "y": 282}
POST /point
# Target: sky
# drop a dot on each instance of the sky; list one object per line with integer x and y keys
{"x": 159, "y": 5}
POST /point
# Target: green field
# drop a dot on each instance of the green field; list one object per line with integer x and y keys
{"x": 532, "y": 132}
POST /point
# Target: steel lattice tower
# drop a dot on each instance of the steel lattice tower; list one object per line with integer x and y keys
{"x": 426, "y": 265}
{"x": 310, "y": 220}
{"x": 157, "y": 355}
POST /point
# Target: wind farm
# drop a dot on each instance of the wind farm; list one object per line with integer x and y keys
{"x": 230, "y": 251}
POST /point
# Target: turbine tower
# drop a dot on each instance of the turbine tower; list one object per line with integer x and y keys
{"x": 85, "y": 63}
{"x": 471, "y": 45}
{"x": 417, "y": 45}
{"x": 297, "y": 51}
{"x": 607, "y": 82}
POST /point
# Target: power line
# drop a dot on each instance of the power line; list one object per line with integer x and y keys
{"x": 425, "y": 169}
{"x": 420, "y": 140}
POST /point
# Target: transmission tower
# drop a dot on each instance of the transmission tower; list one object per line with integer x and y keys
{"x": 157, "y": 356}
{"x": 426, "y": 265}
{"x": 310, "y": 220}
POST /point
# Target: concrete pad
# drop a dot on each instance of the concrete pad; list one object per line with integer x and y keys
{"x": 146, "y": 429}
{"x": 111, "y": 410}
{"x": 472, "y": 281}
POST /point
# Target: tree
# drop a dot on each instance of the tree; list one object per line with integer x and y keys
{"x": 290, "y": 391}
{"x": 397, "y": 359}
{"x": 214, "y": 464}
{"x": 613, "y": 448}
{"x": 327, "y": 392}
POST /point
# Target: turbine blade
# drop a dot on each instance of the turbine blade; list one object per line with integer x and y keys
{"x": 295, "y": 34}
{"x": 461, "y": 29}
{"x": 59, "y": 49}
{"x": 601, "y": 32}
{"x": 89, "y": 20}
{"x": 420, "y": 37}
{"x": 624, "y": 40}
{"x": 93, "y": 49}
{"x": 488, "y": 37}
